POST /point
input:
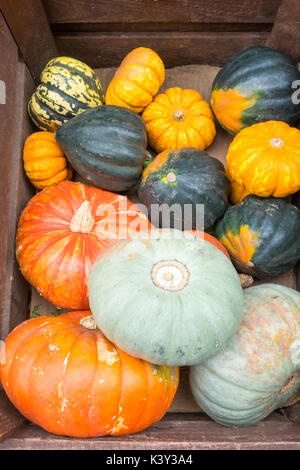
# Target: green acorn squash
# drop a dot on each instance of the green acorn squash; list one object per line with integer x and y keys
{"x": 255, "y": 85}
{"x": 166, "y": 296}
{"x": 189, "y": 180}
{"x": 68, "y": 87}
{"x": 261, "y": 235}
{"x": 258, "y": 371}
{"x": 106, "y": 146}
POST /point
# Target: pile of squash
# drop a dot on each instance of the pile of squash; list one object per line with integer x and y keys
{"x": 147, "y": 294}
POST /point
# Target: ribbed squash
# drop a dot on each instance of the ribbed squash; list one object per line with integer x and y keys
{"x": 191, "y": 183}
{"x": 255, "y": 86}
{"x": 45, "y": 163}
{"x": 64, "y": 375}
{"x": 259, "y": 369}
{"x": 265, "y": 159}
{"x": 106, "y": 146}
{"x": 137, "y": 80}
{"x": 237, "y": 191}
{"x": 68, "y": 87}
{"x": 62, "y": 231}
{"x": 179, "y": 118}
{"x": 166, "y": 296}
{"x": 261, "y": 235}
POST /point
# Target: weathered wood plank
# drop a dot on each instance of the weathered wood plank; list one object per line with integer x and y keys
{"x": 29, "y": 26}
{"x": 10, "y": 418}
{"x": 175, "y": 48}
{"x": 285, "y": 35}
{"x": 163, "y": 11}
{"x": 174, "y": 431}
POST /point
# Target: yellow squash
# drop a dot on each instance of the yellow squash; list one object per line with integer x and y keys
{"x": 137, "y": 80}
{"x": 264, "y": 159}
{"x": 44, "y": 162}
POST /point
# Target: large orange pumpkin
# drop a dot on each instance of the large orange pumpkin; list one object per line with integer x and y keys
{"x": 137, "y": 80}
{"x": 65, "y": 376}
{"x": 61, "y": 233}
{"x": 179, "y": 118}
{"x": 264, "y": 159}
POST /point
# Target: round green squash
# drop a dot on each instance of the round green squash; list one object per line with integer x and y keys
{"x": 166, "y": 296}
{"x": 255, "y": 85}
{"x": 261, "y": 235}
{"x": 68, "y": 87}
{"x": 190, "y": 183}
{"x": 106, "y": 146}
{"x": 258, "y": 371}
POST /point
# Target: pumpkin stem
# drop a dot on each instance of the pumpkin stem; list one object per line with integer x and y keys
{"x": 171, "y": 177}
{"x": 82, "y": 220}
{"x": 88, "y": 322}
{"x": 245, "y": 280}
{"x": 170, "y": 275}
{"x": 276, "y": 142}
{"x": 178, "y": 115}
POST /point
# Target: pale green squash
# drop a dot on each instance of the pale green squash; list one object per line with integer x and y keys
{"x": 258, "y": 371}
{"x": 166, "y": 296}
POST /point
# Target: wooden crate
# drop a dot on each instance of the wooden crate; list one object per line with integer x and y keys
{"x": 101, "y": 33}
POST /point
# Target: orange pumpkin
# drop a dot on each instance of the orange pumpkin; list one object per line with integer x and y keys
{"x": 209, "y": 238}
{"x": 177, "y": 119}
{"x": 265, "y": 160}
{"x": 64, "y": 375}
{"x": 44, "y": 161}
{"x": 61, "y": 233}
{"x": 137, "y": 80}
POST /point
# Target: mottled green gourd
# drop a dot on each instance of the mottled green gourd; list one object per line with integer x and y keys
{"x": 68, "y": 87}
{"x": 258, "y": 371}
{"x": 261, "y": 235}
{"x": 166, "y": 296}
{"x": 106, "y": 145}
{"x": 190, "y": 183}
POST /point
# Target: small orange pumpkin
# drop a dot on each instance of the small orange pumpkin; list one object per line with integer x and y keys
{"x": 179, "y": 118}
{"x": 137, "y": 80}
{"x": 44, "y": 161}
{"x": 64, "y": 375}
{"x": 264, "y": 159}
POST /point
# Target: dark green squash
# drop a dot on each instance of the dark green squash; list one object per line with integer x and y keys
{"x": 261, "y": 235}
{"x": 186, "y": 181}
{"x": 106, "y": 146}
{"x": 68, "y": 87}
{"x": 256, "y": 85}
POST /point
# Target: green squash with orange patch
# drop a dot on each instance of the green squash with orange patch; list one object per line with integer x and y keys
{"x": 261, "y": 235}
{"x": 256, "y": 85}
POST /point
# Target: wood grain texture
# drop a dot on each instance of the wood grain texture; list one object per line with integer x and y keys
{"x": 29, "y": 26}
{"x": 10, "y": 418}
{"x": 174, "y": 431}
{"x": 285, "y": 35}
{"x": 175, "y": 48}
{"x": 162, "y": 11}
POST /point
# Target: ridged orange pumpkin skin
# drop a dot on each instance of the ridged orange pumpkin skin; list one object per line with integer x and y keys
{"x": 265, "y": 160}
{"x": 44, "y": 161}
{"x": 72, "y": 381}
{"x": 61, "y": 233}
{"x": 177, "y": 119}
{"x": 137, "y": 80}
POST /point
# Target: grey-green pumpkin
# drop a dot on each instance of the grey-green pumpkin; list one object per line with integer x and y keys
{"x": 166, "y": 296}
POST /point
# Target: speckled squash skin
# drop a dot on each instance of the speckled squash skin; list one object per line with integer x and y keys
{"x": 62, "y": 231}
{"x": 258, "y": 371}
{"x": 255, "y": 86}
{"x": 137, "y": 80}
{"x": 106, "y": 146}
{"x": 181, "y": 297}
{"x": 261, "y": 235}
{"x": 264, "y": 159}
{"x": 45, "y": 163}
{"x": 68, "y": 87}
{"x": 179, "y": 118}
{"x": 187, "y": 176}
{"x": 70, "y": 380}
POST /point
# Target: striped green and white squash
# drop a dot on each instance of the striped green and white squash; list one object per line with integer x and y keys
{"x": 68, "y": 87}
